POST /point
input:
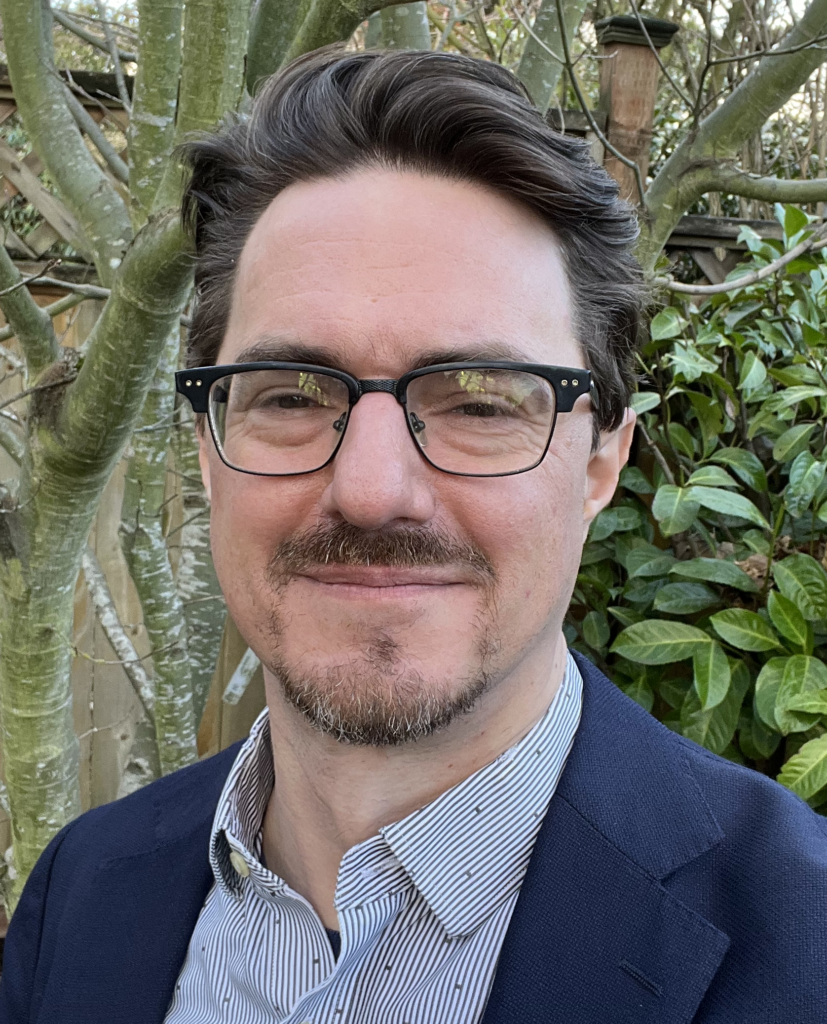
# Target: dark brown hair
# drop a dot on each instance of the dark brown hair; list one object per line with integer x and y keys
{"x": 330, "y": 112}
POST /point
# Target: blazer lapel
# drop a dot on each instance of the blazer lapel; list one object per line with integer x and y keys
{"x": 595, "y": 935}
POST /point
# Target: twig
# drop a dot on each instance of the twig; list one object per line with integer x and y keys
{"x": 659, "y": 456}
{"x": 535, "y": 37}
{"x": 34, "y": 277}
{"x": 449, "y": 24}
{"x": 116, "y": 634}
{"x": 585, "y": 108}
{"x": 114, "y": 53}
{"x": 89, "y": 291}
{"x": 756, "y": 54}
{"x": 815, "y": 241}
{"x": 89, "y": 37}
{"x": 39, "y": 387}
{"x": 55, "y": 309}
{"x": 87, "y": 124}
{"x": 654, "y": 49}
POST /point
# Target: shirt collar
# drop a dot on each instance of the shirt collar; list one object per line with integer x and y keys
{"x": 468, "y": 850}
{"x": 465, "y": 852}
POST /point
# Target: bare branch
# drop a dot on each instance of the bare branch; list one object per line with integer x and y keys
{"x": 115, "y": 633}
{"x": 815, "y": 241}
{"x": 116, "y": 58}
{"x": 87, "y": 124}
{"x": 655, "y": 51}
{"x": 31, "y": 324}
{"x": 88, "y": 37}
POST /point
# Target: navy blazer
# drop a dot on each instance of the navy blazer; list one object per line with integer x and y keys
{"x": 666, "y": 885}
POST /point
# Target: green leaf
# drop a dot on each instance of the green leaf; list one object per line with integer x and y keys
{"x": 802, "y": 674}
{"x": 644, "y": 401}
{"x": 744, "y": 630}
{"x": 681, "y": 439}
{"x": 800, "y": 578}
{"x": 788, "y": 620}
{"x": 684, "y": 598}
{"x": 645, "y": 564}
{"x": 753, "y": 372}
{"x": 789, "y": 397}
{"x": 627, "y": 518}
{"x": 625, "y": 616}
{"x": 792, "y": 442}
{"x": 715, "y": 727}
{"x": 596, "y": 630}
{"x": 745, "y": 465}
{"x": 659, "y": 642}
{"x": 667, "y": 324}
{"x": 806, "y": 772}
{"x": 711, "y": 476}
{"x": 715, "y": 570}
{"x": 641, "y": 693}
{"x": 795, "y": 219}
{"x": 710, "y": 417}
{"x": 719, "y": 500}
{"x": 806, "y": 475}
{"x": 812, "y": 703}
{"x": 603, "y": 525}
{"x": 633, "y": 479}
{"x": 766, "y": 690}
{"x": 712, "y": 675}
{"x": 689, "y": 363}
{"x": 674, "y": 508}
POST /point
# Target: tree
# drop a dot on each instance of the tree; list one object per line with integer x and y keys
{"x": 196, "y": 62}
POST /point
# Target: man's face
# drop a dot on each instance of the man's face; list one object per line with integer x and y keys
{"x": 440, "y": 587}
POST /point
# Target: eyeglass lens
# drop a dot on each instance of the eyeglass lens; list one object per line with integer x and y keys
{"x": 477, "y": 421}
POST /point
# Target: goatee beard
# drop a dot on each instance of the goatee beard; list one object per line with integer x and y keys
{"x": 375, "y": 699}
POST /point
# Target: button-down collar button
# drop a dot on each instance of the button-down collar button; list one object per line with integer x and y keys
{"x": 240, "y": 864}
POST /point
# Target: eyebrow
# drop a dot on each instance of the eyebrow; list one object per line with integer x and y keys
{"x": 279, "y": 350}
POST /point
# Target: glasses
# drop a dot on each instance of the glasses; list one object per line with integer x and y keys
{"x": 469, "y": 419}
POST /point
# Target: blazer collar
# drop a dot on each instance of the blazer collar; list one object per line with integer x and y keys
{"x": 595, "y": 935}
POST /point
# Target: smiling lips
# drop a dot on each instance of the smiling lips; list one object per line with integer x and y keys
{"x": 381, "y": 577}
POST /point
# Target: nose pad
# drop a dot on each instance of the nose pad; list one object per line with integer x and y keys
{"x": 418, "y": 427}
{"x": 339, "y": 424}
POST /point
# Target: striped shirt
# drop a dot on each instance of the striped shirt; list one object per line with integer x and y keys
{"x": 423, "y": 906}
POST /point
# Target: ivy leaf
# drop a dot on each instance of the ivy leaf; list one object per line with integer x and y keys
{"x": 745, "y": 465}
{"x": 667, "y": 324}
{"x": 659, "y": 642}
{"x": 715, "y": 727}
{"x": 684, "y": 598}
{"x": 674, "y": 508}
{"x": 718, "y": 500}
{"x": 789, "y": 621}
{"x": 800, "y": 578}
{"x": 744, "y": 629}
{"x": 802, "y": 674}
{"x": 792, "y": 442}
{"x": 806, "y": 772}
{"x": 712, "y": 675}
{"x": 715, "y": 570}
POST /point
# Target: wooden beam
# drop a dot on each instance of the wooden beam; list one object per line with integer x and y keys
{"x": 44, "y": 202}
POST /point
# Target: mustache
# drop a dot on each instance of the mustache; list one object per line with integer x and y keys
{"x": 401, "y": 547}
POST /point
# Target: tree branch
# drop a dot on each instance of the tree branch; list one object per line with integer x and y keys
{"x": 330, "y": 21}
{"x": 147, "y": 299}
{"x": 41, "y": 100}
{"x": 815, "y": 241}
{"x": 88, "y": 37}
{"x": 154, "y": 99}
{"x": 540, "y": 65}
{"x": 115, "y": 633}
{"x": 273, "y": 25}
{"x": 720, "y": 178}
{"x": 772, "y": 82}
{"x": 31, "y": 324}
{"x": 89, "y": 125}
{"x": 116, "y": 58}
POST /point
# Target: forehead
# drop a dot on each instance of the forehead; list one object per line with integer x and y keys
{"x": 381, "y": 266}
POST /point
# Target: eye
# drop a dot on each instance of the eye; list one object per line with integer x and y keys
{"x": 480, "y": 409}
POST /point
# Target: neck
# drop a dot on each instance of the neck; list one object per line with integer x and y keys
{"x": 330, "y": 796}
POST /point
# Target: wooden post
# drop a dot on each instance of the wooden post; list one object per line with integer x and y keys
{"x": 628, "y": 88}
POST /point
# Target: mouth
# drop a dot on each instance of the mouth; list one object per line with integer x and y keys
{"x": 382, "y": 578}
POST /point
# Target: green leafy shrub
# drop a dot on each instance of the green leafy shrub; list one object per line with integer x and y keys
{"x": 703, "y": 591}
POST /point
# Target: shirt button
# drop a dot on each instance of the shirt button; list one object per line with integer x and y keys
{"x": 239, "y": 863}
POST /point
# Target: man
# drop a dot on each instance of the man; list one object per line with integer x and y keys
{"x": 411, "y": 359}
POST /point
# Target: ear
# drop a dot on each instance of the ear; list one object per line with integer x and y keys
{"x": 605, "y": 464}
{"x": 204, "y": 445}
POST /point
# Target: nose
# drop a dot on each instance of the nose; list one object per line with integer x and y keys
{"x": 379, "y": 478}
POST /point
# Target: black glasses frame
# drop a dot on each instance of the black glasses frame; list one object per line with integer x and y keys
{"x": 569, "y": 383}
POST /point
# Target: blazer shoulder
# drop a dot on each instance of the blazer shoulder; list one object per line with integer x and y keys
{"x": 153, "y": 816}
